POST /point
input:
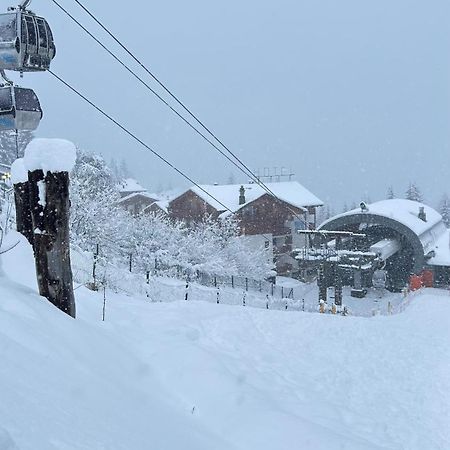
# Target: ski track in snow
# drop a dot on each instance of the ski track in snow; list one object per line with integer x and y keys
{"x": 195, "y": 375}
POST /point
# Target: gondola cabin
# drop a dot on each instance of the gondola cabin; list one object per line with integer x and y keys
{"x": 19, "y": 109}
{"x": 26, "y": 42}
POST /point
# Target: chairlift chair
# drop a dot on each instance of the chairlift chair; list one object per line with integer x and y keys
{"x": 26, "y": 41}
{"x": 20, "y": 109}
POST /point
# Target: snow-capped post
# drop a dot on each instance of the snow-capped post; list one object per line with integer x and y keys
{"x": 22, "y": 199}
{"x": 48, "y": 163}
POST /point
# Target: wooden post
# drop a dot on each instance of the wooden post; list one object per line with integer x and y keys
{"x": 49, "y": 206}
{"x": 23, "y": 210}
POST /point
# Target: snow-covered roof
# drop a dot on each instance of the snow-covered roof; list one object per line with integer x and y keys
{"x": 432, "y": 232}
{"x": 138, "y": 194}
{"x": 130, "y": 185}
{"x": 403, "y": 211}
{"x": 291, "y": 192}
{"x": 442, "y": 250}
{"x": 161, "y": 204}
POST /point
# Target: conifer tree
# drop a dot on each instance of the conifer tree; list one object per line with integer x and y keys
{"x": 413, "y": 193}
{"x": 444, "y": 210}
{"x": 390, "y": 193}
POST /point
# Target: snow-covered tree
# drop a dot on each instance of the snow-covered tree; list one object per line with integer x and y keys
{"x": 444, "y": 209}
{"x": 390, "y": 193}
{"x": 9, "y": 152}
{"x": 95, "y": 217}
{"x": 413, "y": 193}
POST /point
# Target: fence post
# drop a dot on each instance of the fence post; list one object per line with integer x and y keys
{"x": 215, "y": 281}
{"x": 260, "y": 286}
{"x": 104, "y": 303}
{"x": 267, "y": 301}
{"x": 303, "y": 305}
{"x": 148, "y": 281}
{"x": 282, "y": 291}
{"x": 131, "y": 262}
{"x": 232, "y": 281}
{"x": 246, "y": 284}
{"x": 286, "y": 307}
{"x": 271, "y": 288}
{"x": 94, "y": 266}
{"x": 243, "y": 299}
{"x": 218, "y": 295}
{"x": 187, "y": 290}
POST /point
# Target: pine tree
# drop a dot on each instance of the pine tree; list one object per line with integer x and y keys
{"x": 444, "y": 210}
{"x": 8, "y": 150}
{"x": 390, "y": 193}
{"x": 413, "y": 193}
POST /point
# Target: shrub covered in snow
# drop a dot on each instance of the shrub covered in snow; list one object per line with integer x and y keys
{"x": 151, "y": 240}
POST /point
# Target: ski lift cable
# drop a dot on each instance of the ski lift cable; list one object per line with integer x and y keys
{"x": 137, "y": 139}
{"x": 168, "y": 91}
{"x": 244, "y": 169}
{"x": 248, "y": 173}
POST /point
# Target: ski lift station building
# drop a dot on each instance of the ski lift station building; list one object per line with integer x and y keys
{"x": 412, "y": 235}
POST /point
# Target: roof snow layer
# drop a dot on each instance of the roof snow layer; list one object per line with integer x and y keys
{"x": 403, "y": 211}
{"x": 290, "y": 192}
{"x": 130, "y": 185}
{"x": 432, "y": 233}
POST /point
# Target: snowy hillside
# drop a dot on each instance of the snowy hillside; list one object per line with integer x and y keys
{"x": 200, "y": 376}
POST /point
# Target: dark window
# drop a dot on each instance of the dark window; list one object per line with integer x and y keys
{"x": 5, "y": 99}
{"x": 43, "y": 42}
{"x": 267, "y": 244}
{"x": 51, "y": 43}
{"x": 31, "y": 29}
{"x": 26, "y": 100}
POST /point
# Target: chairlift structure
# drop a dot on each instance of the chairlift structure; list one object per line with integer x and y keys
{"x": 26, "y": 45}
{"x": 19, "y": 109}
{"x": 26, "y": 41}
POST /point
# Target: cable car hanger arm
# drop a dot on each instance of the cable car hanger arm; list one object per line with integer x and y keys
{"x": 24, "y": 5}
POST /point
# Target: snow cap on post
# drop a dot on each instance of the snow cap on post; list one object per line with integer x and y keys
{"x": 19, "y": 173}
{"x": 50, "y": 155}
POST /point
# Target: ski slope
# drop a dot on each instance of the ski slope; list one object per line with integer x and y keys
{"x": 200, "y": 376}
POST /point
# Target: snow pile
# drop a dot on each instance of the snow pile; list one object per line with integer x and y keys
{"x": 196, "y": 376}
{"x": 19, "y": 173}
{"x": 50, "y": 155}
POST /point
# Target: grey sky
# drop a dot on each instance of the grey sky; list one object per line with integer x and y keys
{"x": 352, "y": 95}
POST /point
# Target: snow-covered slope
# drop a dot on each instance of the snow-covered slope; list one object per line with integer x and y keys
{"x": 193, "y": 375}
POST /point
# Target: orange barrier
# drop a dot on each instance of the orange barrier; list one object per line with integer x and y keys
{"x": 428, "y": 278}
{"x": 415, "y": 282}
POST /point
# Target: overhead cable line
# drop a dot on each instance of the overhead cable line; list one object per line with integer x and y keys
{"x": 240, "y": 165}
{"x": 140, "y": 141}
{"x": 246, "y": 172}
{"x": 166, "y": 89}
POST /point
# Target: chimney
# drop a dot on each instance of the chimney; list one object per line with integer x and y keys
{"x": 242, "y": 195}
{"x": 422, "y": 214}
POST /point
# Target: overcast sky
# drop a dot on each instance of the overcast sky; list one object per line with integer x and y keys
{"x": 352, "y": 95}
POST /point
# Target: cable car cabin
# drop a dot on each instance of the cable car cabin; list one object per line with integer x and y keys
{"x": 26, "y": 42}
{"x": 19, "y": 109}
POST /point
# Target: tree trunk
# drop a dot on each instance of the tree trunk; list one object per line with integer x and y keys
{"x": 23, "y": 210}
{"x": 49, "y": 205}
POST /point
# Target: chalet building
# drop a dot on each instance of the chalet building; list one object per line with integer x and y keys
{"x": 130, "y": 186}
{"x": 158, "y": 207}
{"x": 137, "y": 202}
{"x": 271, "y": 220}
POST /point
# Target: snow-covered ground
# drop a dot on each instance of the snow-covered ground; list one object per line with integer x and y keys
{"x": 197, "y": 375}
